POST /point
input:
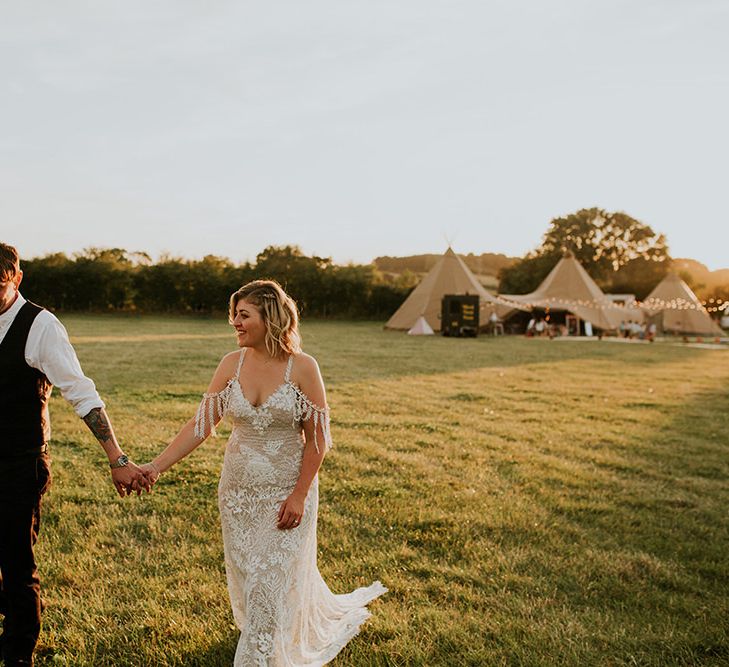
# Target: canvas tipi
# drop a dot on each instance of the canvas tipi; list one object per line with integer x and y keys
{"x": 421, "y": 328}
{"x": 450, "y": 275}
{"x": 569, "y": 288}
{"x": 674, "y": 307}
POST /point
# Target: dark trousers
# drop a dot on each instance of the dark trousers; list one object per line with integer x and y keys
{"x": 23, "y": 482}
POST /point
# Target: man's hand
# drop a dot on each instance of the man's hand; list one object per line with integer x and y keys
{"x": 130, "y": 478}
{"x": 127, "y": 478}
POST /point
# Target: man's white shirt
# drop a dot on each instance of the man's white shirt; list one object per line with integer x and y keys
{"x": 49, "y": 350}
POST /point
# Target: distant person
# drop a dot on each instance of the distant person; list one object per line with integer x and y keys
{"x": 652, "y": 329}
{"x": 540, "y": 327}
{"x": 269, "y": 493}
{"x": 35, "y": 354}
{"x": 530, "y": 327}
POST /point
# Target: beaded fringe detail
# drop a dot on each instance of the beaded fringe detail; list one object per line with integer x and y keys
{"x": 211, "y": 410}
{"x": 214, "y": 406}
{"x": 304, "y": 410}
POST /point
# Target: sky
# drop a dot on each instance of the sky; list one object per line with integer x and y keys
{"x": 359, "y": 129}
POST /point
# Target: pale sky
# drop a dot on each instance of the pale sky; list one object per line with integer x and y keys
{"x": 357, "y": 129}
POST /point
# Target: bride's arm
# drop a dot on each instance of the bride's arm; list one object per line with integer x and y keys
{"x": 316, "y": 434}
{"x": 196, "y": 430}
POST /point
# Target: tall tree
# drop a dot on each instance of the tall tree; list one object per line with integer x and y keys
{"x": 525, "y": 275}
{"x": 46, "y": 280}
{"x": 638, "y": 276}
{"x": 603, "y": 242}
{"x": 102, "y": 279}
{"x": 300, "y": 275}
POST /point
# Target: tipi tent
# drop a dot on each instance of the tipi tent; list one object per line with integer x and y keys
{"x": 568, "y": 287}
{"x": 674, "y": 307}
{"x": 450, "y": 275}
{"x": 421, "y": 328}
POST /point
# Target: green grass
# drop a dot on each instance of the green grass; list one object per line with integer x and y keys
{"x": 527, "y": 502}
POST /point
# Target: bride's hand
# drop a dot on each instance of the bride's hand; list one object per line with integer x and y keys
{"x": 290, "y": 512}
{"x": 150, "y": 471}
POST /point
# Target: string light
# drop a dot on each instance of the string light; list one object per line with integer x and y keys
{"x": 650, "y": 304}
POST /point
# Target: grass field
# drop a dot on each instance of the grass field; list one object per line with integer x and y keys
{"x": 527, "y": 502}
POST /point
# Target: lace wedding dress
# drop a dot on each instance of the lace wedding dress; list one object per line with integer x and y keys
{"x": 285, "y": 611}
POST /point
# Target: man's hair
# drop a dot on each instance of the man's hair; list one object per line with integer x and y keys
{"x": 9, "y": 262}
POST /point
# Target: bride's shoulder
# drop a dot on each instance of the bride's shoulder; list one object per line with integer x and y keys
{"x": 305, "y": 364}
{"x": 225, "y": 371}
{"x": 304, "y": 360}
{"x": 305, "y": 370}
{"x": 229, "y": 361}
{"x": 307, "y": 377}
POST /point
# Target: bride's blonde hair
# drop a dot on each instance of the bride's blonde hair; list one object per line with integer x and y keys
{"x": 279, "y": 313}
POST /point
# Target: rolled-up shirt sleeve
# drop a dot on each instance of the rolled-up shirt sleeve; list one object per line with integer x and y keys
{"x": 49, "y": 350}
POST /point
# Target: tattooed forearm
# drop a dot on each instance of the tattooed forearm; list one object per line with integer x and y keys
{"x": 98, "y": 423}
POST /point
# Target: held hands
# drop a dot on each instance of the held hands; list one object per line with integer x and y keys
{"x": 151, "y": 472}
{"x": 290, "y": 512}
{"x": 129, "y": 479}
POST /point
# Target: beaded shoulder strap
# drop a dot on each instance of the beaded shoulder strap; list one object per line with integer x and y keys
{"x": 287, "y": 377}
{"x": 240, "y": 362}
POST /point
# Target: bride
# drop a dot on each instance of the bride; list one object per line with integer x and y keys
{"x": 268, "y": 492}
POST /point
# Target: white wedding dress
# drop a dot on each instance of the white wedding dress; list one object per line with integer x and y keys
{"x": 285, "y": 611}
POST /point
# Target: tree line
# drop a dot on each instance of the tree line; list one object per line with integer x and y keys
{"x": 113, "y": 279}
{"x": 620, "y": 253}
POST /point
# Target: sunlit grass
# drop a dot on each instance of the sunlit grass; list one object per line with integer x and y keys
{"x": 526, "y": 502}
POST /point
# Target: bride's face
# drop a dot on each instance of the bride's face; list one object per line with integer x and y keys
{"x": 249, "y": 325}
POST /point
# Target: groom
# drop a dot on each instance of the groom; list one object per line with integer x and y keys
{"x": 35, "y": 354}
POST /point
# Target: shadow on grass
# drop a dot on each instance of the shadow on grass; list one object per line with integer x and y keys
{"x": 216, "y": 655}
{"x": 115, "y": 651}
{"x": 650, "y": 544}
